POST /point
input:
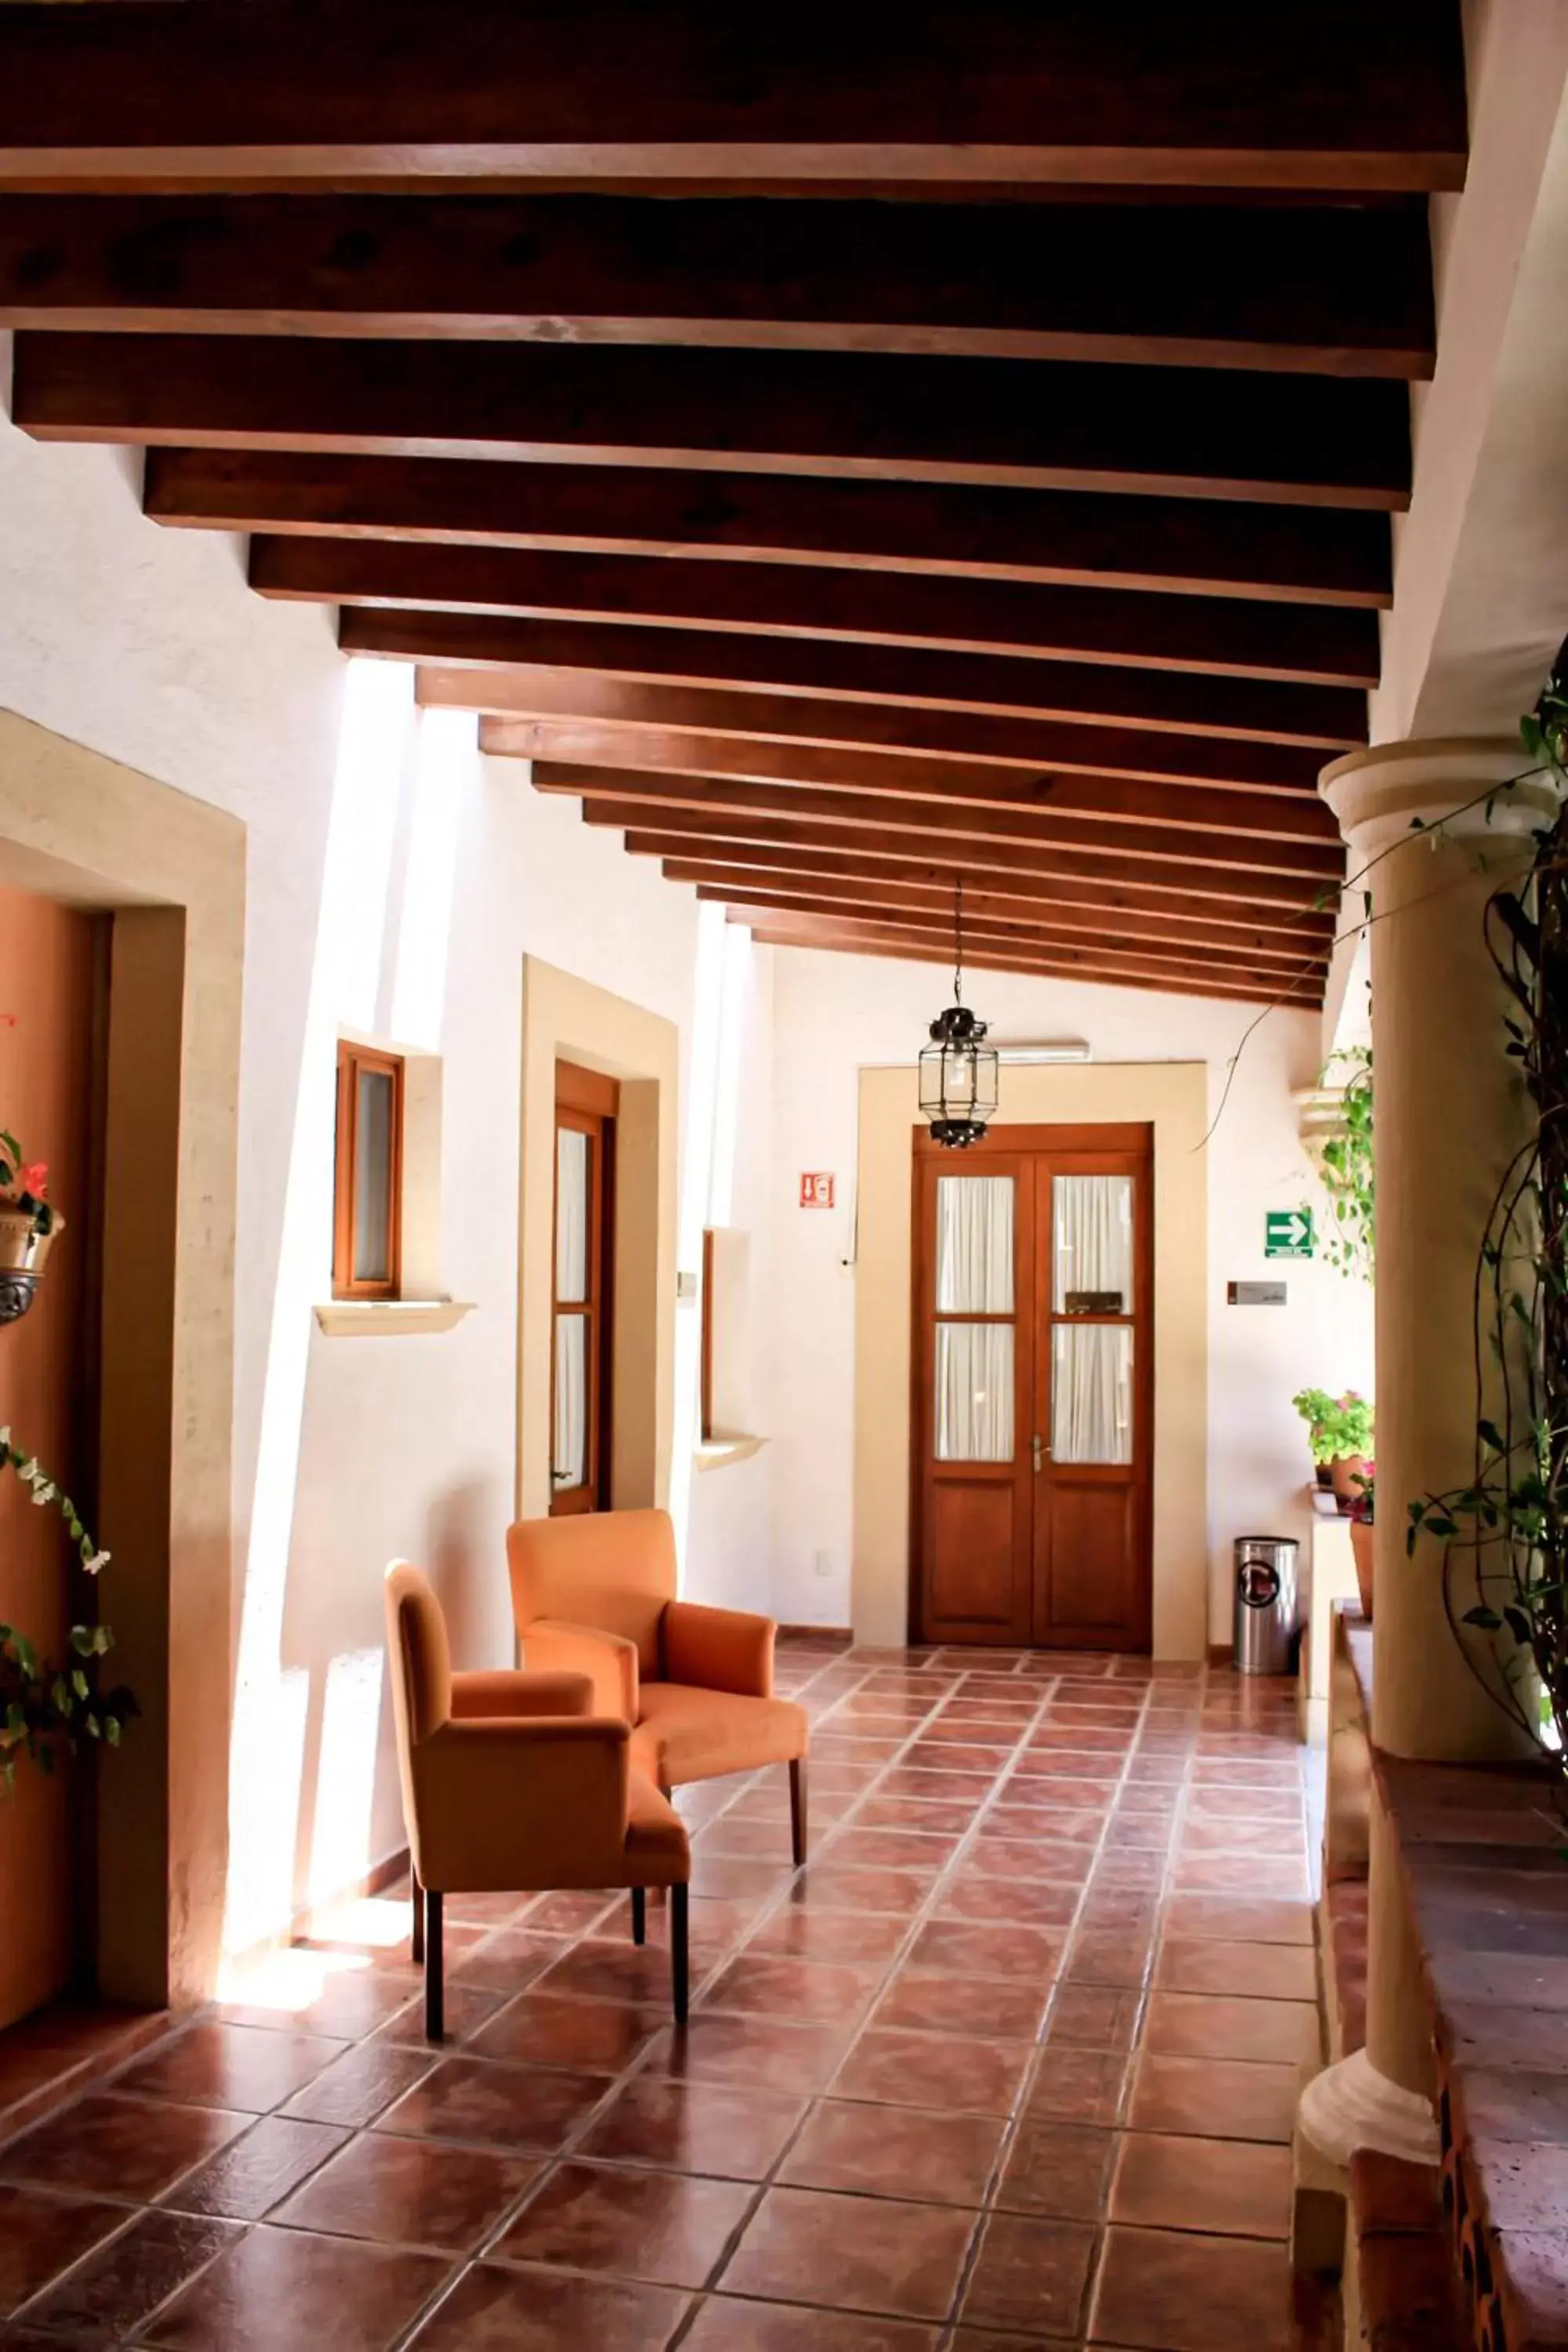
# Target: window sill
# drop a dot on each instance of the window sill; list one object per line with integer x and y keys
{"x": 717, "y": 1452}
{"x": 378, "y": 1319}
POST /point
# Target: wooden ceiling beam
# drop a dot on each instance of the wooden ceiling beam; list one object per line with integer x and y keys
{"x": 772, "y": 625}
{"x": 776, "y": 931}
{"x": 1337, "y": 290}
{"x": 610, "y": 707}
{"x": 1215, "y": 856}
{"x": 1200, "y": 432}
{"x": 1100, "y": 693}
{"x": 989, "y": 914}
{"x": 1072, "y": 538}
{"x": 1065, "y": 948}
{"x": 279, "y": 96}
{"x": 560, "y": 748}
{"x": 1053, "y": 870}
{"x": 848, "y": 936}
{"x": 1064, "y": 896}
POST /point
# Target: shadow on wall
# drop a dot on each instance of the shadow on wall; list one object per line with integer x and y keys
{"x": 460, "y": 1567}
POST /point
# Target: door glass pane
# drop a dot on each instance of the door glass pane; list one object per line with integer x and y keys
{"x": 1091, "y": 1392}
{"x": 569, "y": 1457}
{"x": 974, "y": 1391}
{"x": 974, "y": 1245}
{"x": 373, "y": 1177}
{"x": 1091, "y": 1220}
{"x": 571, "y": 1216}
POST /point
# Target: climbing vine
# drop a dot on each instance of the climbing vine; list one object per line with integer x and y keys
{"x": 1344, "y": 1166}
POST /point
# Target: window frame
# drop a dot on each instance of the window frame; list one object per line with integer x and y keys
{"x": 705, "y": 1423}
{"x": 351, "y": 1060}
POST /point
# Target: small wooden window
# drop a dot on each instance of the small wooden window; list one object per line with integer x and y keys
{"x": 367, "y": 1229}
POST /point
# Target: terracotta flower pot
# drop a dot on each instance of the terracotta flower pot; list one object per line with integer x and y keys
{"x": 1362, "y": 1545}
{"x": 1343, "y": 1475}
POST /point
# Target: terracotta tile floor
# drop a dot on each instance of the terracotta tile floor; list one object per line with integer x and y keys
{"x": 1013, "y": 2062}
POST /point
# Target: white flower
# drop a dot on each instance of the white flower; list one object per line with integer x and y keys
{"x": 100, "y": 1560}
{"x": 45, "y": 1491}
{"x": 29, "y": 1469}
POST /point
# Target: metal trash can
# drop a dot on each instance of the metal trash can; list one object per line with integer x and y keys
{"x": 1265, "y": 1603}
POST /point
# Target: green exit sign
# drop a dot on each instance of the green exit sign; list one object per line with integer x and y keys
{"x": 1288, "y": 1232}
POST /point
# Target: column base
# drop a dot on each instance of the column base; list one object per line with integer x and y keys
{"x": 1351, "y": 2106}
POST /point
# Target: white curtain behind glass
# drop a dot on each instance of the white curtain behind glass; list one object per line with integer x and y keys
{"x": 974, "y": 1246}
{"x": 571, "y": 1215}
{"x": 569, "y": 1459}
{"x": 1092, "y": 1223}
{"x": 974, "y": 1391}
{"x": 1091, "y": 1392}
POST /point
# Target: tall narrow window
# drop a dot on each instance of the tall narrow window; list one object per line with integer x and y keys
{"x": 582, "y": 1304}
{"x": 367, "y": 1222}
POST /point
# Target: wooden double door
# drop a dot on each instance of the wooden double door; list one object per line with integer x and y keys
{"x": 1033, "y": 1389}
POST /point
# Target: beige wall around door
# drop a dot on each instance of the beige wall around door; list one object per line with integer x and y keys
{"x": 567, "y": 1019}
{"x": 90, "y": 832}
{"x": 1173, "y": 1095}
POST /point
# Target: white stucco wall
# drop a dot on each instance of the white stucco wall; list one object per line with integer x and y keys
{"x": 147, "y": 644}
{"x": 834, "y": 1014}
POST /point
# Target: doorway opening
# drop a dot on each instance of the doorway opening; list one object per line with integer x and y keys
{"x": 1032, "y": 1390}
{"x": 581, "y": 1395}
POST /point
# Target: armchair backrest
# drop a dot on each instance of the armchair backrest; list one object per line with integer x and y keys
{"x": 419, "y": 1661}
{"x": 612, "y": 1570}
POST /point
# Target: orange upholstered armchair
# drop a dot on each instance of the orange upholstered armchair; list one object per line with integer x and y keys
{"x": 596, "y": 1595}
{"x": 511, "y": 1782}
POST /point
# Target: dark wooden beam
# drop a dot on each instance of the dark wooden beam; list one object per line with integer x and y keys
{"x": 1324, "y": 94}
{"x": 1338, "y": 290}
{"x": 1216, "y": 856}
{"x": 988, "y": 914}
{"x": 630, "y": 604}
{"x": 776, "y": 931}
{"x": 1098, "y": 693}
{"x": 850, "y": 935}
{"x": 1068, "y": 894}
{"x": 1066, "y": 950}
{"x": 1157, "y": 754}
{"x": 1293, "y": 815}
{"x": 1316, "y": 441}
{"x": 1072, "y": 538}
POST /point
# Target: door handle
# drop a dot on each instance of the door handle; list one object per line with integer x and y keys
{"x": 1040, "y": 1450}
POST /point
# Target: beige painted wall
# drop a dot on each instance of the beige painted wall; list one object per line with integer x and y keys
{"x": 567, "y": 1019}
{"x": 1173, "y": 1095}
{"x": 86, "y": 830}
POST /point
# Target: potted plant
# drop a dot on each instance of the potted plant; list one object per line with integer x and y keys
{"x": 1362, "y": 1516}
{"x": 1339, "y": 1431}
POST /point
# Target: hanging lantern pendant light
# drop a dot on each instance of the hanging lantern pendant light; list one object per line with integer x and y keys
{"x": 958, "y": 1069}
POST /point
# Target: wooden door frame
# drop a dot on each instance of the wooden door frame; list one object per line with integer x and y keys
{"x": 1012, "y": 1142}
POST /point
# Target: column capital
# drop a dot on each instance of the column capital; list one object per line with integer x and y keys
{"x": 1462, "y": 782}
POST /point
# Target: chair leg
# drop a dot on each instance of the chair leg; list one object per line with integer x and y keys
{"x": 639, "y": 1914}
{"x": 416, "y": 1948}
{"x": 797, "y": 1805}
{"x": 678, "y": 1953}
{"x": 434, "y": 1985}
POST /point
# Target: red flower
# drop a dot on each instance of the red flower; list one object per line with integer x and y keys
{"x": 36, "y": 1179}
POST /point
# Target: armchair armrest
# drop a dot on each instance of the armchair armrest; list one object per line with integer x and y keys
{"x": 609, "y": 1661}
{"x": 719, "y": 1649}
{"x": 505, "y": 1693}
{"x": 525, "y": 1802}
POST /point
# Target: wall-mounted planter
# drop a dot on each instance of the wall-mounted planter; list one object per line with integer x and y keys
{"x": 23, "y": 1250}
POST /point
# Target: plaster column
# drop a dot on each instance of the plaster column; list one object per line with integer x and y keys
{"x": 1449, "y": 1115}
